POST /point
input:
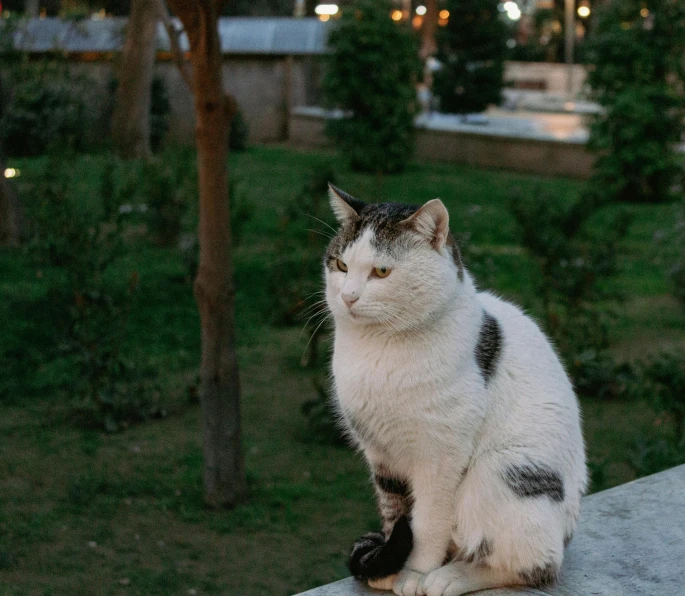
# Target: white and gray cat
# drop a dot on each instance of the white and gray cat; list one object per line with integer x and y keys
{"x": 458, "y": 402}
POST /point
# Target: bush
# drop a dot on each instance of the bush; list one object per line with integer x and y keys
{"x": 638, "y": 79}
{"x": 678, "y": 269}
{"x": 472, "y": 48}
{"x": 109, "y": 390}
{"x": 662, "y": 383}
{"x": 159, "y": 112}
{"x": 238, "y": 133}
{"x": 45, "y": 111}
{"x": 168, "y": 191}
{"x": 371, "y": 76}
{"x": 574, "y": 262}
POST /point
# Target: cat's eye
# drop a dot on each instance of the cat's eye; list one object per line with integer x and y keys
{"x": 382, "y": 271}
{"x": 341, "y": 265}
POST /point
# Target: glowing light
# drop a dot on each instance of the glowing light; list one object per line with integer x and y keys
{"x": 513, "y": 10}
{"x": 421, "y": 10}
{"x": 396, "y": 15}
{"x": 444, "y": 14}
{"x": 326, "y": 9}
{"x": 416, "y": 22}
{"x": 324, "y": 17}
{"x": 11, "y": 172}
{"x": 644, "y": 13}
{"x": 583, "y": 12}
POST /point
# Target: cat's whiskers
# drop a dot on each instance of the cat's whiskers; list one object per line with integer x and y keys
{"x": 320, "y": 233}
{"x": 328, "y": 314}
{"x": 323, "y": 222}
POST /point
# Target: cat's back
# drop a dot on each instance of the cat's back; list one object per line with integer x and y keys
{"x": 527, "y": 354}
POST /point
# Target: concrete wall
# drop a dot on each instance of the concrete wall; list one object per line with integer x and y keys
{"x": 536, "y": 156}
{"x": 553, "y": 77}
{"x": 265, "y": 88}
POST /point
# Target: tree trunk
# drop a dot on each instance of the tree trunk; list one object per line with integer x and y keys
{"x": 11, "y": 214}
{"x": 430, "y": 23}
{"x": 224, "y": 476}
{"x": 131, "y": 118}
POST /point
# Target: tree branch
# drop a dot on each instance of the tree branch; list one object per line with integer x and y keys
{"x": 174, "y": 35}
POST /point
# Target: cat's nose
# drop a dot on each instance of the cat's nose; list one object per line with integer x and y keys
{"x": 350, "y": 298}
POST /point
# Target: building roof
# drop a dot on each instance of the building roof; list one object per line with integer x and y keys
{"x": 239, "y": 35}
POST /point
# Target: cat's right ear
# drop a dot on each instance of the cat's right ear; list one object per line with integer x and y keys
{"x": 345, "y": 207}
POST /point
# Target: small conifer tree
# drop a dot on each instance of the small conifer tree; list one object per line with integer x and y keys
{"x": 371, "y": 76}
{"x": 472, "y": 48}
{"x": 638, "y": 78}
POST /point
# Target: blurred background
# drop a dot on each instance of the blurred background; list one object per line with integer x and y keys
{"x": 553, "y": 132}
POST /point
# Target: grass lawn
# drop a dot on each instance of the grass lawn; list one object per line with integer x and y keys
{"x": 83, "y": 512}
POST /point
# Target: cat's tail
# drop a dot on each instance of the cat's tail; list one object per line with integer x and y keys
{"x": 373, "y": 557}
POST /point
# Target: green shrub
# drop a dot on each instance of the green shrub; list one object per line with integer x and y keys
{"x": 638, "y": 79}
{"x": 160, "y": 107}
{"x": 678, "y": 268}
{"x": 574, "y": 261}
{"x": 168, "y": 192}
{"x": 472, "y": 48}
{"x": 238, "y": 133}
{"x": 371, "y": 76}
{"x": 46, "y": 110}
{"x": 109, "y": 391}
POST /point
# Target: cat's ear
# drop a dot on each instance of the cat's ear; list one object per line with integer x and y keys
{"x": 432, "y": 222}
{"x": 345, "y": 207}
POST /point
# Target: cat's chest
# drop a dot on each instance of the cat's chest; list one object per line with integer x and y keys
{"x": 392, "y": 396}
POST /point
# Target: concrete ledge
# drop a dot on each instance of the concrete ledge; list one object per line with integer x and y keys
{"x": 522, "y": 146}
{"x": 630, "y": 542}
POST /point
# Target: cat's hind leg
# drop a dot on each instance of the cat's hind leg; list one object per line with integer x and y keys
{"x": 511, "y": 518}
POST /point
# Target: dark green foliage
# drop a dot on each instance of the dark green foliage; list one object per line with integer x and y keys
{"x": 371, "y": 76}
{"x": 90, "y": 307}
{"x": 472, "y": 48}
{"x": 45, "y": 110}
{"x": 322, "y": 424}
{"x": 238, "y": 133}
{"x": 159, "y": 112}
{"x": 295, "y": 276}
{"x": 168, "y": 189}
{"x": 678, "y": 268}
{"x": 574, "y": 262}
{"x": 663, "y": 382}
{"x": 638, "y": 78}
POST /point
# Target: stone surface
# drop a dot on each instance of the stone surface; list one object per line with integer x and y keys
{"x": 630, "y": 542}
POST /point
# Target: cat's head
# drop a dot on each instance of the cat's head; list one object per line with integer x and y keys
{"x": 390, "y": 265}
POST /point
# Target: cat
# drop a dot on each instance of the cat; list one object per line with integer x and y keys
{"x": 459, "y": 403}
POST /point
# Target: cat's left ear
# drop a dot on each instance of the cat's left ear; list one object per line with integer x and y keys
{"x": 345, "y": 207}
{"x": 432, "y": 222}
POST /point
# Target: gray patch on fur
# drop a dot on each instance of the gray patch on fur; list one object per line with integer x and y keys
{"x": 535, "y": 480}
{"x": 481, "y": 553}
{"x": 489, "y": 346}
{"x": 390, "y": 235}
{"x": 567, "y": 539}
{"x": 539, "y": 577}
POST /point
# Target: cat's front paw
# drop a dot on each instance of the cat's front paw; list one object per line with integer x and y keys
{"x": 408, "y": 583}
{"x": 444, "y": 581}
